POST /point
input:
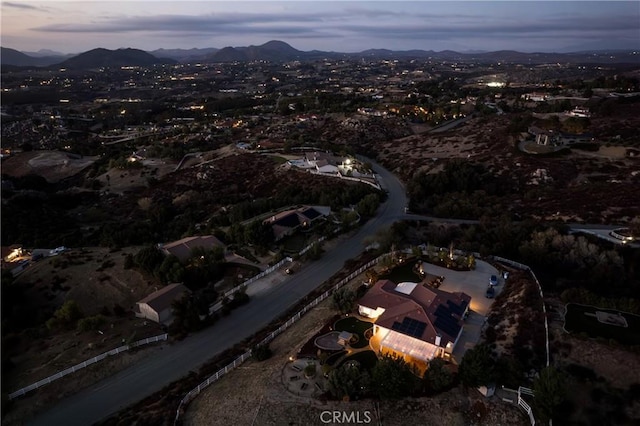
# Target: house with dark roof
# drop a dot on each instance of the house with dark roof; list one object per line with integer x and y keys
{"x": 287, "y": 222}
{"x": 182, "y": 248}
{"x": 157, "y": 306}
{"x": 413, "y": 320}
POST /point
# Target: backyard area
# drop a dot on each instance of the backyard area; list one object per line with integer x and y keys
{"x": 257, "y": 393}
{"x": 357, "y": 327}
{"x": 605, "y": 323}
{"x": 403, "y": 273}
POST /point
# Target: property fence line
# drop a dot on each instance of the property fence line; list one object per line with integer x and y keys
{"x": 524, "y": 405}
{"x": 351, "y": 178}
{"x": 262, "y": 274}
{"x": 191, "y": 395}
{"x": 267, "y": 271}
{"x": 544, "y": 308}
{"x": 84, "y": 364}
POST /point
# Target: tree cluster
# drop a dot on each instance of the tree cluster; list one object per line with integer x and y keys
{"x": 343, "y": 300}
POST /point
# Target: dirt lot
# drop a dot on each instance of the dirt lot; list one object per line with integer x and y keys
{"x": 255, "y": 394}
{"x": 52, "y": 165}
{"x": 601, "y": 377}
{"x": 617, "y": 364}
{"x": 82, "y": 275}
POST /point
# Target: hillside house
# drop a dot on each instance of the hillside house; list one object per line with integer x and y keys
{"x": 414, "y": 321}
{"x": 287, "y": 222}
{"x": 157, "y": 306}
{"x": 182, "y": 248}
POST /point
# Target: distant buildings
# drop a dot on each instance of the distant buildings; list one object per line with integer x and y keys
{"x": 580, "y": 112}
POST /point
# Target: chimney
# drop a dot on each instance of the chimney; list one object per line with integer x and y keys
{"x": 438, "y": 338}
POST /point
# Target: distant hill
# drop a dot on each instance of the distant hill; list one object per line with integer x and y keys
{"x": 98, "y": 58}
{"x": 279, "y": 51}
{"x": 271, "y": 51}
{"x": 183, "y": 55}
{"x": 42, "y": 53}
{"x": 15, "y": 57}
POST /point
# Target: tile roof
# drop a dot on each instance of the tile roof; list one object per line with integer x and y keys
{"x": 182, "y": 248}
{"x": 163, "y": 298}
{"x": 424, "y": 313}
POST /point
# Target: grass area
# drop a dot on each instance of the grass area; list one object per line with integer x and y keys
{"x": 355, "y": 326}
{"x": 403, "y": 273}
{"x": 582, "y": 319}
{"x": 367, "y": 359}
{"x": 278, "y": 159}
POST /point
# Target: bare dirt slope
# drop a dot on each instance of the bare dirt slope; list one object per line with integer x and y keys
{"x": 52, "y": 165}
{"x": 82, "y": 275}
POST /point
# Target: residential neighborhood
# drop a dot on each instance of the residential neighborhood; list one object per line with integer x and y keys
{"x": 283, "y": 233}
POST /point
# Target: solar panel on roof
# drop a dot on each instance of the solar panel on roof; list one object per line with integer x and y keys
{"x": 410, "y": 327}
{"x": 445, "y": 322}
{"x": 457, "y": 309}
{"x": 311, "y": 213}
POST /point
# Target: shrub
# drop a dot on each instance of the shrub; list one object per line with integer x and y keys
{"x": 66, "y": 316}
{"x": 261, "y": 352}
{"x": 91, "y": 323}
{"x": 310, "y": 370}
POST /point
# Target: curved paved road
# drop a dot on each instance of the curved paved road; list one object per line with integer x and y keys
{"x": 175, "y": 361}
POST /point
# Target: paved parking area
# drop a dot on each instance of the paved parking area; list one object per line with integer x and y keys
{"x": 475, "y": 284}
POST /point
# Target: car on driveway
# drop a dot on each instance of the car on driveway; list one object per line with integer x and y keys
{"x": 493, "y": 280}
{"x": 491, "y": 292}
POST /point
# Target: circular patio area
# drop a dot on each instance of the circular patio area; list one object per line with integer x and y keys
{"x": 296, "y": 379}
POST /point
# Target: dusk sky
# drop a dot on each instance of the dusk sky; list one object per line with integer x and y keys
{"x": 347, "y": 26}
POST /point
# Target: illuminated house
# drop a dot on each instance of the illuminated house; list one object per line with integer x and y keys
{"x": 414, "y": 321}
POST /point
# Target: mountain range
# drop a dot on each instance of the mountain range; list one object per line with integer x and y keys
{"x": 279, "y": 51}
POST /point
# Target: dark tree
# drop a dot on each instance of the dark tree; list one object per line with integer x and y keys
{"x": 343, "y": 300}
{"x": 437, "y": 378}
{"x": 393, "y": 378}
{"x": 549, "y": 392}
{"x": 349, "y": 381}
{"x": 476, "y": 368}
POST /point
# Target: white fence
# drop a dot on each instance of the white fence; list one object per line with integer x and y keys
{"x": 213, "y": 378}
{"x": 544, "y": 308}
{"x": 524, "y": 405}
{"x": 262, "y": 274}
{"x": 267, "y": 271}
{"x": 84, "y": 364}
{"x": 351, "y": 178}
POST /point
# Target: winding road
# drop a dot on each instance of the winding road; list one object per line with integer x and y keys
{"x": 174, "y": 361}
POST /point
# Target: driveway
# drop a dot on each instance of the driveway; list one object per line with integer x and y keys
{"x": 475, "y": 284}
